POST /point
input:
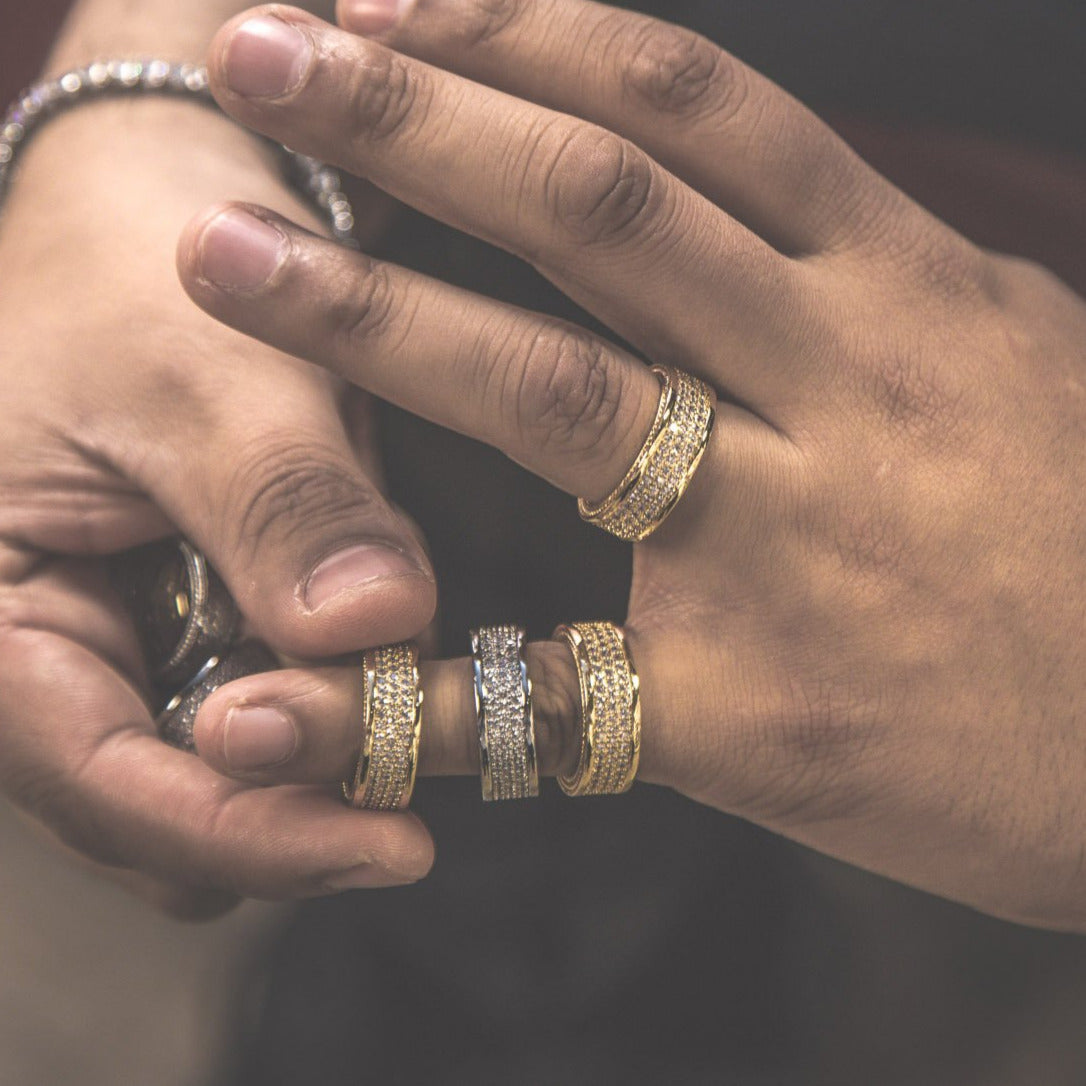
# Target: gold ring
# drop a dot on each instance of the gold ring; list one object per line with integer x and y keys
{"x": 666, "y": 464}
{"x": 610, "y": 694}
{"x": 391, "y": 724}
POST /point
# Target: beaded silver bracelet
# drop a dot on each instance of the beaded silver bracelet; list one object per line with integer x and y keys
{"x": 108, "y": 78}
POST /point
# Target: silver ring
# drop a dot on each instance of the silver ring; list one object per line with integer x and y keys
{"x": 503, "y": 706}
{"x": 178, "y": 717}
{"x": 183, "y": 612}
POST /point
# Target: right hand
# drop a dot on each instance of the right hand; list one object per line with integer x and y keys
{"x": 127, "y": 414}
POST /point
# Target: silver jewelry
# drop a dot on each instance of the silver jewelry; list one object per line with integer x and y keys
{"x": 183, "y": 612}
{"x": 176, "y": 721}
{"x": 503, "y": 704}
{"x": 105, "y": 78}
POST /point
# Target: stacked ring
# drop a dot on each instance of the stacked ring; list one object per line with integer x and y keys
{"x": 391, "y": 722}
{"x": 666, "y": 464}
{"x": 503, "y": 706}
{"x": 610, "y": 694}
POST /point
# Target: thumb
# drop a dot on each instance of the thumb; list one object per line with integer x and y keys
{"x": 270, "y": 489}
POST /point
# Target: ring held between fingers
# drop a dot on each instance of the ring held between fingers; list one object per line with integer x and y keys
{"x": 306, "y": 726}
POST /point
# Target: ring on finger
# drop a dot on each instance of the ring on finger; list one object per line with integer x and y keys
{"x": 391, "y": 723}
{"x": 177, "y": 719}
{"x": 666, "y": 464}
{"x": 503, "y": 706}
{"x": 183, "y": 612}
{"x": 610, "y": 695}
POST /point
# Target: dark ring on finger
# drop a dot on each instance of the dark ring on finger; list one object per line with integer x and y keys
{"x": 183, "y": 613}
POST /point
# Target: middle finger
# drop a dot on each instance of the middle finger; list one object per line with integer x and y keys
{"x": 644, "y": 252}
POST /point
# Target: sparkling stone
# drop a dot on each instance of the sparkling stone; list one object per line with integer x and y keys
{"x": 129, "y": 72}
{"x": 12, "y": 132}
{"x": 98, "y": 74}
{"x": 156, "y": 73}
{"x": 194, "y": 79}
{"x": 6, "y": 153}
{"x": 72, "y": 83}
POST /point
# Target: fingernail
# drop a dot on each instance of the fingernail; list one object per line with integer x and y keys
{"x": 373, "y": 16}
{"x": 267, "y": 58}
{"x": 355, "y": 568}
{"x": 256, "y": 737}
{"x": 238, "y": 251}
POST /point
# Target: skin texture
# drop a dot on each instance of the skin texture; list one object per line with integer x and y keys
{"x": 152, "y": 426}
{"x": 862, "y": 627}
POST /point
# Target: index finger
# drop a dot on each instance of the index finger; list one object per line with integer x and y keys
{"x": 590, "y": 209}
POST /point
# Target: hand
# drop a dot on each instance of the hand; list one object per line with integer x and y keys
{"x": 863, "y": 625}
{"x": 126, "y": 414}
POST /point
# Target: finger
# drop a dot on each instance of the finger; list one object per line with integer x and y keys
{"x": 708, "y": 118}
{"x": 645, "y": 253}
{"x": 305, "y": 726}
{"x": 77, "y": 750}
{"x": 258, "y": 470}
{"x": 566, "y": 404}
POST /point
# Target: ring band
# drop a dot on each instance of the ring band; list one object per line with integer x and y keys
{"x": 178, "y": 718}
{"x": 503, "y": 706}
{"x": 610, "y": 693}
{"x": 183, "y": 612}
{"x": 666, "y": 464}
{"x": 391, "y": 723}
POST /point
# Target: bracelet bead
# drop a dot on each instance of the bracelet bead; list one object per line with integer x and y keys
{"x": 154, "y": 76}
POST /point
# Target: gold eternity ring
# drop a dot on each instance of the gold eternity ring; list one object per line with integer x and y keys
{"x": 391, "y": 723}
{"x": 610, "y": 694}
{"x": 666, "y": 464}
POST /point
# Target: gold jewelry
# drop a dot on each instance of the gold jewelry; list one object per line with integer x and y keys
{"x": 391, "y": 723}
{"x": 610, "y": 710}
{"x": 666, "y": 464}
{"x": 503, "y": 707}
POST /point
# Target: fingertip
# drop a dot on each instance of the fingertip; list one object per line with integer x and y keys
{"x": 231, "y": 247}
{"x": 372, "y": 18}
{"x": 247, "y": 43}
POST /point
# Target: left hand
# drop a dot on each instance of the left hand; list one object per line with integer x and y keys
{"x": 863, "y": 626}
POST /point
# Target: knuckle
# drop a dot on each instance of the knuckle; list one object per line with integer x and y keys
{"x": 679, "y": 72}
{"x": 484, "y": 20}
{"x": 388, "y": 95}
{"x": 569, "y": 393}
{"x": 364, "y": 312}
{"x": 599, "y": 186}
{"x": 912, "y": 396}
{"x": 942, "y": 266}
{"x": 287, "y": 494}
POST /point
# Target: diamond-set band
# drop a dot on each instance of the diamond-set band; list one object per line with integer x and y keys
{"x": 610, "y": 694}
{"x": 391, "y": 723}
{"x": 503, "y": 706}
{"x": 666, "y": 464}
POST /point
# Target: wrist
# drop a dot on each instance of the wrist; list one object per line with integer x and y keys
{"x": 120, "y": 28}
